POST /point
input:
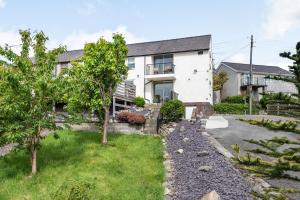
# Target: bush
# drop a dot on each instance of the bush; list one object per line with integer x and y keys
{"x": 230, "y": 108}
{"x": 275, "y": 98}
{"x": 172, "y": 111}
{"x": 139, "y": 101}
{"x": 131, "y": 118}
{"x": 74, "y": 190}
{"x": 235, "y": 99}
{"x": 274, "y": 125}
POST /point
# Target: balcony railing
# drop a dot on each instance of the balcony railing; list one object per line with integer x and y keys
{"x": 256, "y": 81}
{"x": 160, "y": 68}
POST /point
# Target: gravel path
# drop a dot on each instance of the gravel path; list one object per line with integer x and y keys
{"x": 188, "y": 181}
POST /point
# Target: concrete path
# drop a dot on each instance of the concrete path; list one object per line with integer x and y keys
{"x": 238, "y": 131}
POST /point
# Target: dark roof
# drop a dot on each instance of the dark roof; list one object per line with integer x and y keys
{"x": 152, "y": 48}
{"x": 170, "y": 46}
{"x": 261, "y": 69}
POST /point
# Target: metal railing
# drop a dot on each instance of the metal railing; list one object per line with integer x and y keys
{"x": 126, "y": 90}
{"x": 160, "y": 68}
{"x": 256, "y": 81}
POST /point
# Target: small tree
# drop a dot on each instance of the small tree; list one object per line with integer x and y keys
{"x": 27, "y": 93}
{"x": 294, "y": 69}
{"x": 219, "y": 80}
{"x": 94, "y": 79}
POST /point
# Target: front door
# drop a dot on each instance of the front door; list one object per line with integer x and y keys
{"x": 163, "y": 92}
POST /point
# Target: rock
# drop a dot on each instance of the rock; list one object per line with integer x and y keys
{"x": 182, "y": 129}
{"x": 205, "y": 168}
{"x": 185, "y": 139}
{"x": 202, "y": 153}
{"x": 213, "y": 195}
{"x": 180, "y": 151}
{"x": 163, "y": 140}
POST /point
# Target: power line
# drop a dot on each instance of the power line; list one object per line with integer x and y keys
{"x": 233, "y": 53}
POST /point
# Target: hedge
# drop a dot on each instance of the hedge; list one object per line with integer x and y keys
{"x": 235, "y": 99}
{"x": 230, "y": 108}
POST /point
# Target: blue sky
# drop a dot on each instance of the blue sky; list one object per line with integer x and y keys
{"x": 275, "y": 24}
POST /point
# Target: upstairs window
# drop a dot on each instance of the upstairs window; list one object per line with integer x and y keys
{"x": 131, "y": 63}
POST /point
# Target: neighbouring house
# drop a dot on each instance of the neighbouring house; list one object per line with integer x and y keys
{"x": 167, "y": 69}
{"x": 239, "y": 78}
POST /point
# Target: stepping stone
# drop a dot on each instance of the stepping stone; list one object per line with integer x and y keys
{"x": 202, "y": 153}
{"x": 182, "y": 129}
{"x": 180, "y": 151}
{"x": 213, "y": 195}
{"x": 205, "y": 168}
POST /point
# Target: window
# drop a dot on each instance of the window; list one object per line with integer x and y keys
{"x": 163, "y": 59}
{"x": 131, "y": 63}
{"x": 63, "y": 67}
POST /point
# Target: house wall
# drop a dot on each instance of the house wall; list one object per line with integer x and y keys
{"x": 193, "y": 74}
{"x": 276, "y": 86}
{"x": 232, "y": 85}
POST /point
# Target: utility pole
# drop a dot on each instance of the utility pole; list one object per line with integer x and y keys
{"x": 251, "y": 77}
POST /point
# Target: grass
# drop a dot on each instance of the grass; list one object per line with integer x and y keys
{"x": 130, "y": 167}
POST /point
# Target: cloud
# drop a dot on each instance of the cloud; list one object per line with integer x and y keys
{"x": 2, "y": 3}
{"x": 239, "y": 58}
{"x": 87, "y": 9}
{"x": 282, "y": 16}
{"x": 77, "y": 39}
{"x": 11, "y": 38}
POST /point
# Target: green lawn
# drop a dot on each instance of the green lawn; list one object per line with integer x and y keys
{"x": 130, "y": 167}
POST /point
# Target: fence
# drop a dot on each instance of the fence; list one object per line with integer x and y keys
{"x": 289, "y": 110}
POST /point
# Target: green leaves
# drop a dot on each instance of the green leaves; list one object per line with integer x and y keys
{"x": 27, "y": 89}
{"x": 94, "y": 78}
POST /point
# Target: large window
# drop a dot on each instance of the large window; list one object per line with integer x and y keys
{"x": 163, "y": 91}
{"x": 163, "y": 64}
{"x": 131, "y": 63}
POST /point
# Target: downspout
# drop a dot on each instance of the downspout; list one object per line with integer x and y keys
{"x": 144, "y": 77}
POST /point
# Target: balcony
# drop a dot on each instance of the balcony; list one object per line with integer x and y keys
{"x": 256, "y": 82}
{"x": 160, "y": 71}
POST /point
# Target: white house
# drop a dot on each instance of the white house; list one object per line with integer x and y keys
{"x": 167, "y": 69}
{"x": 239, "y": 78}
{"x": 177, "y": 68}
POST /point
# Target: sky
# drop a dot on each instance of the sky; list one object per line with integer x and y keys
{"x": 275, "y": 24}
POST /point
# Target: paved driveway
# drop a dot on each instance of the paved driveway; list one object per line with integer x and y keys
{"x": 238, "y": 131}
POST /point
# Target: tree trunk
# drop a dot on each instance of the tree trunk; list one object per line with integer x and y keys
{"x": 105, "y": 125}
{"x": 33, "y": 154}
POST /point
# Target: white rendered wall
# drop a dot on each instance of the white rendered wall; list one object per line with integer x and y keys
{"x": 193, "y": 74}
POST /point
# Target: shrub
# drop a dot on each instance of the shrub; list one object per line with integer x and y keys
{"x": 139, "y": 101}
{"x": 235, "y": 99}
{"x": 172, "y": 111}
{"x": 230, "y": 108}
{"x": 131, "y": 118}
{"x": 274, "y": 125}
{"x": 275, "y": 98}
{"x": 74, "y": 190}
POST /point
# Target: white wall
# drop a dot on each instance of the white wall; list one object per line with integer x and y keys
{"x": 193, "y": 74}
{"x": 137, "y": 75}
